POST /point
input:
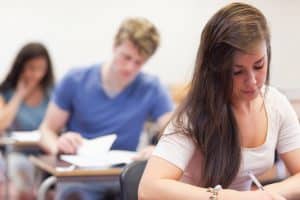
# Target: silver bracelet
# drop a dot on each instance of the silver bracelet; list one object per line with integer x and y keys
{"x": 214, "y": 192}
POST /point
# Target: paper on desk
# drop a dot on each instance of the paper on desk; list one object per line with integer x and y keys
{"x": 114, "y": 157}
{"x": 95, "y": 153}
{"x": 26, "y": 136}
{"x": 96, "y": 146}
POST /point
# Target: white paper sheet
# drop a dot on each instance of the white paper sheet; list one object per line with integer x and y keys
{"x": 114, "y": 157}
{"x": 99, "y": 145}
{"x": 95, "y": 153}
{"x": 26, "y": 136}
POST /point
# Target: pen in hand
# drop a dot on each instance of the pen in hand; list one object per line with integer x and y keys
{"x": 254, "y": 179}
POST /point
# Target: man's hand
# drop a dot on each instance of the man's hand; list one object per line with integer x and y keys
{"x": 69, "y": 142}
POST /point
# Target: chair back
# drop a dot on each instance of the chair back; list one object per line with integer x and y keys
{"x": 130, "y": 179}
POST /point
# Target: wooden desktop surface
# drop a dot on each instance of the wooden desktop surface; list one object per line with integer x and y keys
{"x": 4, "y": 141}
{"x": 50, "y": 164}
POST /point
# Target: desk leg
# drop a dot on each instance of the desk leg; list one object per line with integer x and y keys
{"x": 44, "y": 187}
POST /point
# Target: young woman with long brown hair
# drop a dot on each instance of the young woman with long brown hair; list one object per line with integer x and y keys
{"x": 24, "y": 96}
{"x": 25, "y": 91}
{"x": 231, "y": 121}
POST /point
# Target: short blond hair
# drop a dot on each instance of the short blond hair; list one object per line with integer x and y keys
{"x": 141, "y": 32}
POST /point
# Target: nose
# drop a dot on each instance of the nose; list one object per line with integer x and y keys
{"x": 130, "y": 66}
{"x": 37, "y": 74}
{"x": 251, "y": 78}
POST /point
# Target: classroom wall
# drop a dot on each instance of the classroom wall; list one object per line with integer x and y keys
{"x": 81, "y": 32}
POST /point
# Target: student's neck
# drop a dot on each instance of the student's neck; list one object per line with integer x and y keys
{"x": 110, "y": 81}
{"x": 247, "y": 107}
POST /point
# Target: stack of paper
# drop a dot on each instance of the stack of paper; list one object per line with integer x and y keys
{"x": 95, "y": 153}
{"x": 26, "y": 136}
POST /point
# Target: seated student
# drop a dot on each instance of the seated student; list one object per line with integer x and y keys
{"x": 24, "y": 96}
{"x": 111, "y": 97}
{"x": 25, "y": 92}
{"x": 231, "y": 121}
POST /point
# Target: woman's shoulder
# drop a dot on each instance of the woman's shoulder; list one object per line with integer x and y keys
{"x": 278, "y": 102}
{"x": 174, "y": 135}
{"x": 175, "y": 147}
{"x": 275, "y": 97}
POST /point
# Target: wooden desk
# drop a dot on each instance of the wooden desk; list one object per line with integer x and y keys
{"x": 8, "y": 141}
{"x": 52, "y": 164}
{"x": 9, "y": 145}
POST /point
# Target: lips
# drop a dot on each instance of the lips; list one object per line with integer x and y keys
{"x": 126, "y": 74}
{"x": 249, "y": 91}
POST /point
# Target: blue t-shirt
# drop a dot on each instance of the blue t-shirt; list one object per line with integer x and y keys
{"x": 28, "y": 118}
{"x": 93, "y": 113}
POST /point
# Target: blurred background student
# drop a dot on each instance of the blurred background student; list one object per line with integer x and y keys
{"x": 24, "y": 96}
{"x": 25, "y": 92}
{"x": 115, "y": 96}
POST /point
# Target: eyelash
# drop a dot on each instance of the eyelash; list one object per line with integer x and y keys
{"x": 255, "y": 67}
{"x": 258, "y": 67}
{"x": 237, "y": 73}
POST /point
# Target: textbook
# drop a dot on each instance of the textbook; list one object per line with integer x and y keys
{"x": 96, "y": 153}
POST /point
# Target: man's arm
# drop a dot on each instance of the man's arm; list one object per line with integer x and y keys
{"x": 162, "y": 122}
{"x": 54, "y": 121}
{"x": 160, "y": 112}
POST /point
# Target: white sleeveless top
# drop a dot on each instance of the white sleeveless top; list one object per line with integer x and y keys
{"x": 283, "y": 134}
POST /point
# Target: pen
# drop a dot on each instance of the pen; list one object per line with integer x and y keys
{"x": 254, "y": 179}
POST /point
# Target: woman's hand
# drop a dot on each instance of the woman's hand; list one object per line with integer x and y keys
{"x": 24, "y": 88}
{"x": 262, "y": 195}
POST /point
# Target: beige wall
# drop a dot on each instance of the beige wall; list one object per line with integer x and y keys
{"x": 81, "y": 32}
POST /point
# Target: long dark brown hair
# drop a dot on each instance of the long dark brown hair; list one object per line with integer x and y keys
{"x": 28, "y": 52}
{"x": 206, "y": 113}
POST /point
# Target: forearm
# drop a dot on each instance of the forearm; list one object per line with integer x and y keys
{"x": 48, "y": 140}
{"x": 170, "y": 189}
{"x": 9, "y": 112}
{"x": 288, "y": 188}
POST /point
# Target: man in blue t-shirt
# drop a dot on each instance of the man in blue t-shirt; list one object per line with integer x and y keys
{"x": 111, "y": 97}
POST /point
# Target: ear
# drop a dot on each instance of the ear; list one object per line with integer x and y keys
{"x": 115, "y": 46}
